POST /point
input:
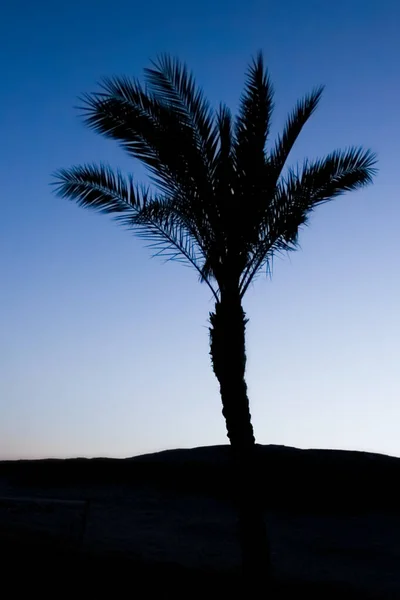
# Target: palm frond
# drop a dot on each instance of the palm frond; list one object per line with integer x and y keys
{"x": 252, "y": 126}
{"x": 337, "y": 173}
{"x": 156, "y": 219}
{"x": 292, "y": 129}
{"x": 174, "y": 86}
{"x": 256, "y": 106}
{"x": 99, "y": 188}
{"x": 223, "y": 168}
{"x": 122, "y": 111}
{"x": 296, "y": 196}
{"x": 161, "y": 223}
{"x": 223, "y": 164}
{"x": 148, "y": 131}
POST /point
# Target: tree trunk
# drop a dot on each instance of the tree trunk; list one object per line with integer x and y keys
{"x": 227, "y": 341}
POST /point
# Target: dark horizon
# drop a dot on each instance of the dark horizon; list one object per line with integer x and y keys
{"x": 163, "y": 453}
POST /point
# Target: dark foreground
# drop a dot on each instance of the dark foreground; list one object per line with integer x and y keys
{"x": 34, "y": 570}
{"x": 162, "y": 526}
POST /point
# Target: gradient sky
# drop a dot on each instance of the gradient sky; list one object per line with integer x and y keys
{"x": 103, "y": 350}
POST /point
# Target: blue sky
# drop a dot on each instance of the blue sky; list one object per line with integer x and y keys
{"x": 104, "y": 351}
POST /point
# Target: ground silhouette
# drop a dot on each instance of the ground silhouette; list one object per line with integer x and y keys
{"x": 155, "y": 518}
{"x": 321, "y": 479}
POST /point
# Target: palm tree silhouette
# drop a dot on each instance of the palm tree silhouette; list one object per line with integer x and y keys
{"x": 220, "y": 201}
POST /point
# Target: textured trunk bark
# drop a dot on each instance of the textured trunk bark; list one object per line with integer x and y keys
{"x": 227, "y": 341}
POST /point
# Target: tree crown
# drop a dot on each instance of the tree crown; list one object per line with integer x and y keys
{"x": 223, "y": 198}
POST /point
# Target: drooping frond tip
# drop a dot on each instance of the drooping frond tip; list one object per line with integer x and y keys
{"x": 298, "y": 194}
{"x": 295, "y": 122}
{"x": 339, "y": 172}
{"x": 156, "y": 219}
{"x": 99, "y": 188}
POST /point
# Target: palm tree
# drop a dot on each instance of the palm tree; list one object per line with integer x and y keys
{"x": 220, "y": 201}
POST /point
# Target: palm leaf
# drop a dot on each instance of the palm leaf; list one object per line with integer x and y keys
{"x": 148, "y": 131}
{"x": 219, "y": 208}
{"x": 292, "y": 129}
{"x": 99, "y": 188}
{"x": 173, "y": 85}
{"x": 296, "y": 196}
{"x": 161, "y": 222}
{"x": 223, "y": 168}
{"x": 252, "y": 127}
{"x": 256, "y": 106}
{"x": 337, "y": 173}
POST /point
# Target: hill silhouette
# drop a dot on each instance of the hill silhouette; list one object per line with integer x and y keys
{"x": 290, "y": 478}
{"x": 165, "y": 521}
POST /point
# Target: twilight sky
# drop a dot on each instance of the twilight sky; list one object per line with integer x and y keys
{"x": 103, "y": 350}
